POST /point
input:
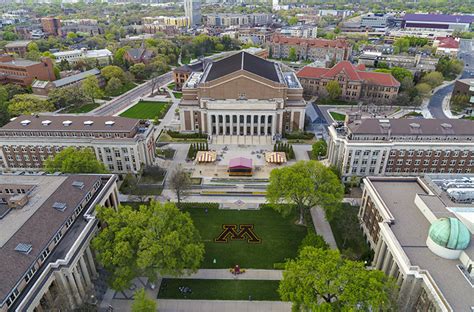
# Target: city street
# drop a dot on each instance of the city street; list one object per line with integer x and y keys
{"x": 119, "y": 103}
{"x": 466, "y": 53}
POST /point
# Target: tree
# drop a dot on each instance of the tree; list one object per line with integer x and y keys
{"x": 449, "y": 67}
{"x": 90, "y": 88}
{"x": 110, "y": 71}
{"x": 319, "y": 149}
{"x": 114, "y": 85}
{"x": 460, "y": 102}
{"x": 334, "y": 89}
{"x": 321, "y": 280}
{"x": 72, "y": 160}
{"x": 139, "y": 71}
{"x": 400, "y": 73}
{"x": 292, "y": 20}
{"x": 33, "y": 52}
{"x": 119, "y": 56}
{"x": 313, "y": 240}
{"x": 4, "y": 113}
{"x": 423, "y": 89}
{"x": 67, "y": 96}
{"x": 26, "y": 104}
{"x": 406, "y": 84}
{"x": 303, "y": 186}
{"x": 141, "y": 303}
{"x": 150, "y": 240}
{"x": 180, "y": 182}
{"x": 401, "y": 45}
{"x": 434, "y": 79}
{"x": 292, "y": 55}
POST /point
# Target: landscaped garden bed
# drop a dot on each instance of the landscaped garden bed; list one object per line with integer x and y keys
{"x": 219, "y": 289}
{"x": 337, "y": 116}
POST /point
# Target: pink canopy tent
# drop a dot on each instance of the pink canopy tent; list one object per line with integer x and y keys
{"x": 240, "y": 166}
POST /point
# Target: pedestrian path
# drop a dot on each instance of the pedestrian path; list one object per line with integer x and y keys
{"x": 322, "y": 226}
{"x": 224, "y": 274}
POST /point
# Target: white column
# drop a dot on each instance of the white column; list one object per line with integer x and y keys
{"x": 259, "y": 124}
{"x": 245, "y": 125}
{"x": 75, "y": 290}
{"x": 302, "y": 115}
{"x": 251, "y": 124}
{"x": 238, "y": 124}
{"x": 266, "y": 125}
{"x": 66, "y": 289}
{"x": 274, "y": 119}
{"x": 90, "y": 259}
{"x": 77, "y": 278}
{"x": 85, "y": 271}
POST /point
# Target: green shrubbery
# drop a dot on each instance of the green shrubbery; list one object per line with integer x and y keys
{"x": 196, "y": 147}
{"x": 299, "y": 135}
{"x": 179, "y": 135}
{"x": 285, "y": 147}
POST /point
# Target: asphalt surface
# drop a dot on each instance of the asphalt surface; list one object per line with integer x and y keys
{"x": 466, "y": 53}
{"x": 121, "y": 102}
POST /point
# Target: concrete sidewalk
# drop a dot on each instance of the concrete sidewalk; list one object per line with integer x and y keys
{"x": 224, "y": 274}
{"x": 322, "y": 226}
{"x": 173, "y": 305}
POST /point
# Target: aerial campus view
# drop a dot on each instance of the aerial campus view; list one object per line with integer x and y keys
{"x": 224, "y": 155}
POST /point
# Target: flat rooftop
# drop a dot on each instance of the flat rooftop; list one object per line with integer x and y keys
{"x": 36, "y": 223}
{"x": 411, "y": 227}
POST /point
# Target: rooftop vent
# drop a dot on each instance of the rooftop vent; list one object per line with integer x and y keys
{"x": 446, "y": 126}
{"x": 23, "y": 248}
{"x": 46, "y": 122}
{"x": 110, "y": 123}
{"x": 88, "y": 123}
{"x": 78, "y": 184}
{"x": 384, "y": 121}
{"x": 415, "y": 125}
{"x": 25, "y": 122}
{"x": 59, "y": 206}
{"x": 67, "y": 123}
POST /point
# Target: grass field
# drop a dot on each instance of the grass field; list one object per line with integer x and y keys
{"x": 178, "y": 95}
{"x": 220, "y": 289}
{"x": 146, "y": 110}
{"x": 81, "y": 109}
{"x": 280, "y": 237}
{"x": 338, "y": 116}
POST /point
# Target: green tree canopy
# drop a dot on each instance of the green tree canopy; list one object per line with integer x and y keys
{"x": 26, "y": 104}
{"x": 114, "y": 85}
{"x": 72, "y": 160}
{"x": 304, "y": 185}
{"x": 292, "y": 55}
{"x": 321, "y": 280}
{"x": 319, "y": 149}
{"x": 90, "y": 88}
{"x": 151, "y": 240}
{"x": 423, "y": 89}
{"x": 67, "y": 96}
{"x": 141, "y": 303}
{"x": 139, "y": 71}
{"x": 434, "y": 79}
{"x": 334, "y": 89}
{"x": 4, "y": 113}
{"x": 110, "y": 71}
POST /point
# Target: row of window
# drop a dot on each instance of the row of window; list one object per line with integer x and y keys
{"x": 72, "y": 134}
{"x": 425, "y": 170}
{"x": 420, "y": 153}
{"x": 435, "y": 162}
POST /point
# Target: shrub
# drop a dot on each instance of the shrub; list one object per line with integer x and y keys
{"x": 191, "y": 205}
{"x": 314, "y": 240}
{"x": 179, "y": 135}
{"x": 299, "y": 135}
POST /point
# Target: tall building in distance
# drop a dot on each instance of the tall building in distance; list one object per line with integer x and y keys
{"x": 192, "y": 10}
{"x": 51, "y": 25}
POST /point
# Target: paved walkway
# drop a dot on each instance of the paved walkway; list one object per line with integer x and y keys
{"x": 322, "y": 226}
{"x": 224, "y": 274}
{"x": 172, "y": 305}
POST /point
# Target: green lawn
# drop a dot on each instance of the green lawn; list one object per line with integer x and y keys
{"x": 280, "y": 237}
{"x": 220, "y": 289}
{"x": 348, "y": 234}
{"x": 338, "y": 116}
{"x": 146, "y": 110}
{"x": 171, "y": 86}
{"x": 81, "y": 109}
{"x": 178, "y": 95}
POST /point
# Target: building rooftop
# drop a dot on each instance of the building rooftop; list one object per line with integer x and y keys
{"x": 356, "y": 73}
{"x": 20, "y": 63}
{"x": 71, "y": 123}
{"x": 400, "y": 127}
{"x": 18, "y": 44}
{"x": 411, "y": 227}
{"x": 320, "y": 43}
{"x": 35, "y": 225}
{"x": 439, "y": 18}
{"x": 242, "y": 61}
{"x": 75, "y": 78}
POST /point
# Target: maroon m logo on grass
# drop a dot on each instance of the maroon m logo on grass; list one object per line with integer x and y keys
{"x": 237, "y": 232}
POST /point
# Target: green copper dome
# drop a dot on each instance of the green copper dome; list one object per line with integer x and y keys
{"x": 450, "y": 233}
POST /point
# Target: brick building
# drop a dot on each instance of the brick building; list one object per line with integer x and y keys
{"x": 310, "y": 49}
{"x": 355, "y": 82}
{"x": 124, "y": 145}
{"x": 19, "y": 47}
{"x": 139, "y": 55}
{"x": 401, "y": 147}
{"x": 24, "y": 72}
{"x": 241, "y": 98}
{"x": 51, "y": 26}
